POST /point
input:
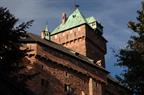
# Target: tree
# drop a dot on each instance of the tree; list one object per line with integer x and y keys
{"x": 10, "y": 52}
{"x": 11, "y": 55}
{"x": 132, "y": 57}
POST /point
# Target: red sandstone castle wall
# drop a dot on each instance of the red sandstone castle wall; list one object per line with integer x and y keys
{"x": 53, "y": 76}
{"x": 73, "y": 39}
{"x": 84, "y": 40}
{"x": 95, "y": 46}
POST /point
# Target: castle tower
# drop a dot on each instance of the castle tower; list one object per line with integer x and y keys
{"x": 45, "y": 34}
{"x": 82, "y": 35}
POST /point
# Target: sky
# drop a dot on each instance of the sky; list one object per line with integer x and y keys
{"x": 112, "y": 14}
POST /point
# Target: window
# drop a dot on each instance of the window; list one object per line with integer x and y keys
{"x": 68, "y": 90}
{"x": 74, "y": 33}
{"x": 96, "y": 84}
{"x": 67, "y": 36}
{"x": 93, "y": 24}
{"x": 44, "y": 83}
{"x": 42, "y": 66}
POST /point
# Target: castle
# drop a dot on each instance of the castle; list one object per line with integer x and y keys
{"x": 70, "y": 60}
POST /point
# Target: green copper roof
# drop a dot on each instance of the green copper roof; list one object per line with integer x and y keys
{"x": 90, "y": 19}
{"x": 75, "y": 19}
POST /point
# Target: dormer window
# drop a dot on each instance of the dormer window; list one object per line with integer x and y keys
{"x": 93, "y": 24}
{"x": 74, "y": 16}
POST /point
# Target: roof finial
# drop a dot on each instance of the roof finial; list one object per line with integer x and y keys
{"x": 75, "y": 5}
{"x": 46, "y": 28}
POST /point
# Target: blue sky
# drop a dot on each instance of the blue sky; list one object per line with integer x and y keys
{"x": 113, "y": 15}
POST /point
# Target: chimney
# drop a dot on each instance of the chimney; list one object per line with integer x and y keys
{"x": 64, "y": 18}
{"x": 42, "y": 35}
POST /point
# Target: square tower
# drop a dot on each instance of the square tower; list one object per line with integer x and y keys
{"x": 82, "y": 35}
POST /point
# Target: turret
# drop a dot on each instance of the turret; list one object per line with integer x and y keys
{"x": 45, "y": 34}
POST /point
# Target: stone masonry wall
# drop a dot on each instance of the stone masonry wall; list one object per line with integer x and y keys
{"x": 73, "y": 39}
{"x": 95, "y": 46}
{"x": 53, "y": 78}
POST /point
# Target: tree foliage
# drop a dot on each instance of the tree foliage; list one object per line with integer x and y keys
{"x": 132, "y": 57}
{"x": 10, "y": 34}
{"x": 11, "y": 55}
